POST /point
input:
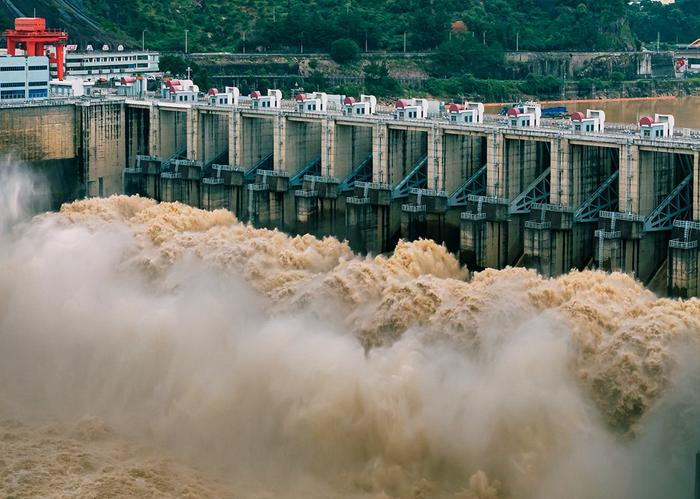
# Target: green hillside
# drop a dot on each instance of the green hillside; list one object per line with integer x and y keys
{"x": 267, "y": 25}
{"x": 287, "y": 25}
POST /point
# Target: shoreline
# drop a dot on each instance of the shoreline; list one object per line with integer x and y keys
{"x": 578, "y": 101}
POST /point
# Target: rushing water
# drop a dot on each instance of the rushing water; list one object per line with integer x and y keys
{"x": 289, "y": 367}
{"x": 686, "y": 110}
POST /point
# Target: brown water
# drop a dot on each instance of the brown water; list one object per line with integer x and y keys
{"x": 288, "y": 367}
{"x": 685, "y": 109}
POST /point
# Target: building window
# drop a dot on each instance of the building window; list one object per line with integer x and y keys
{"x": 37, "y": 83}
{"x": 38, "y": 68}
{"x": 12, "y": 94}
{"x": 12, "y": 84}
{"x": 38, "y": 94}
{"x": 12, "y": 68}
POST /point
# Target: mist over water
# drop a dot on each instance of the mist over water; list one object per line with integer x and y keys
{"x": 289, "y": 367}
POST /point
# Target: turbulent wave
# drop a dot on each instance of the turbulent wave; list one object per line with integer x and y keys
{"x": 290, "y": 367}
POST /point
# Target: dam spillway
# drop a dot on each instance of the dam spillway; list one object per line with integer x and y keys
{"x": 545, "y": 197}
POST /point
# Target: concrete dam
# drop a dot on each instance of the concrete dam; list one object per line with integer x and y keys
{"x": 547, "y": 197}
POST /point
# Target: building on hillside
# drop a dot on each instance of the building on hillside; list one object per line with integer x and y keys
{"x": 592, "y": 122}
{"x": 230, "y": 97}
{"x": 313, "y": 102}
{"x": 411, "y": 109}
{"x": 469, "y": 112}
{"x": 179, "y": 90}
{"x": 366, "y": 105}
{"x": 661, "y": 125}
{"x": 527, "y": 116}
{"x": 273, "y": 99}
{"x": 111, "y": 65}
{"x": 131, "y": 86}
{"x": 71, "y": 87}
{"x": 24, "y": 77}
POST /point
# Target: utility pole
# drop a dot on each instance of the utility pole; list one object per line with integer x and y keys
{"x": 186, "y": 31}
{"x": 658, "y": 40}
{"x": 404, "y": 42}
{"x": 274, "y": 15}
{"x": 517, "y": 41}
{"x": 365, "y": 42}
{"x": 301, "y": 43}
{"x": 189, "y": 73}
{"x": 483, "y": 37}
{"x": 143, "y": 40}
{"x": 244, "y": 42}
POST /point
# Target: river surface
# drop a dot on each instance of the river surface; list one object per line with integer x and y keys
{"x": 685, "y": 109}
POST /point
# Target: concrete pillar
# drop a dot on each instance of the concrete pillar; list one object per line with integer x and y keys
{"x": 154, "y": 131}
{"x": 328, "y": 146}
{"x": 234, "y": 139}
{"x": 380, "y": 153}
{"x": 193, "y": 126}
{"x": 495, "y": 143}
{"x": 279, "y": 133}
{"x": 561, "y": 172}
{"x": 629, "y": 178}
{"x": 436, "y": 172}
{"x": 696, "y": 185}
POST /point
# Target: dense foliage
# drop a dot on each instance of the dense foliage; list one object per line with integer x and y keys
{"x": 295, "y": 25}
{"x": 344, "y": 50}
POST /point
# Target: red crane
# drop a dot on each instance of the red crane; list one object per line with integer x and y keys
{"x": 31, "y": 33}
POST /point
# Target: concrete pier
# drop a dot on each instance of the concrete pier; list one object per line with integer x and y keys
{"x": 518, "y": 175}
{"x": 559, "y": 234}
{"x": 222, "y": 187}
{"x": 368, "y": 222}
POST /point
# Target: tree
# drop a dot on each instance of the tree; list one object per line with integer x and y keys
{"x": 316, "y": 80}
{"x": 173, "y": 64}
{"x": 378, "y": 81}
{"x": 463, "y": 54}
{"x": 344, "y": 50}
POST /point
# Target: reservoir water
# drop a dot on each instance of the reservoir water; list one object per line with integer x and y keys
{"x": 686, "y": 110}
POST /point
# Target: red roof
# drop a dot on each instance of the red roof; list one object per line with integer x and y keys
{"x": 349, "y": 101}
{"x": 255, "y": 94}
{"x": 300, "y": 97}
{"x": 577, "y": 116}
{"x": 513, "y": 112}
{"x": 646, "y": 120}
{"x": 401, "y": 103}
{"x": 127, "y": 79}
{"x": 455, "y": 108}
{"x": 213, "y": 91}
